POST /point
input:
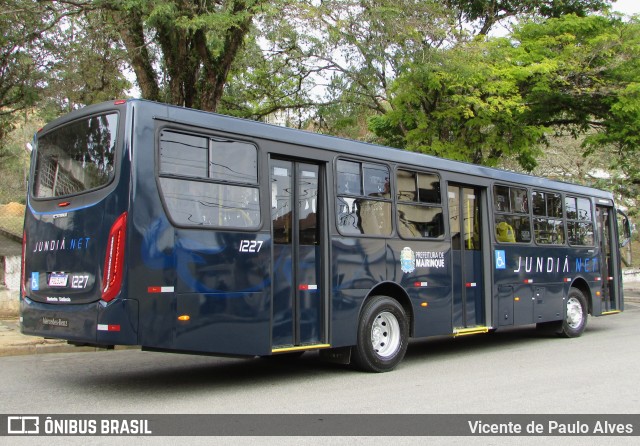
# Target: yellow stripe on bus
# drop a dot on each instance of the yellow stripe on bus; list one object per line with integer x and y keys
{"x": 470, "y": 331}
{"x": 606, "y": 313}
{"x": 300, "y": 348}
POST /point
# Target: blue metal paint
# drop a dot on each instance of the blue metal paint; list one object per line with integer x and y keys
{"x": 234, "y": 305}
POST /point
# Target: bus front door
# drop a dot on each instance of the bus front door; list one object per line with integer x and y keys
{"x": 298, "y": 308}
{"x": 604, "y": 217}
{"x": 466, "y": 249}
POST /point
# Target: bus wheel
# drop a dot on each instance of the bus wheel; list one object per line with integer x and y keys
{"x": 575, "y": 320}
{"x": 383, "y": 333}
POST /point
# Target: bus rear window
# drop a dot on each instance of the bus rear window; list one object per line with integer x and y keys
{"x": 76, "y": 158}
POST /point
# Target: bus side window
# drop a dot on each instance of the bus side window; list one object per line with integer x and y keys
{"x": 363, "y": 208}
{"x": 349, "y": 178}
{"x": 579, "y": 221}
{"x": 501, "y": 198}
{"x": 209, "y": 182}
{"x": 419, "y": 207}
{"x": 548, "y": 225}
{"x": 512, "y": 221}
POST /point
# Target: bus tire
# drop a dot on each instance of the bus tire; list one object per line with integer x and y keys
{"x": 575, "y": 320}
{"x": 383, "y": 335}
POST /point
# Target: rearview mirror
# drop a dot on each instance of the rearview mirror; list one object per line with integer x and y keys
{"x": 624, "y": 235}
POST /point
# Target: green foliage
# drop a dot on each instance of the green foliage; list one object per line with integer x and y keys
{"x": 182, "y": 52}
{"x": 484, "y": 100}
{"x": 355, "y": 49}
{"x": 14, "y": 159}
{"x": 21, "y": 55}
{"x": 415, "y": 74}
{"x": 329, "y": 63}
{"x": 269, "y": 78}
{"x": 487, "y": 13}
{"x": 88, "y": 64}
{"x": 57, "y": 56}
{"x": 592, "y": 88}
{"x": 571, "y": 68}
{"x": 463, "y": 105}
{"x": 363, "y": 46}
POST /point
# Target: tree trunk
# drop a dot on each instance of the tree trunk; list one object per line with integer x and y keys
{"x": 132, "y": 33}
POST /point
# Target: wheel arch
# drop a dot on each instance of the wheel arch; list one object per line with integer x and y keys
{"x": 581, "y": 284}
{"x": 399, "y": 294}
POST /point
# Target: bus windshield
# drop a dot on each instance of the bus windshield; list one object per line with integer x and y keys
{"x": 76, "y": 157}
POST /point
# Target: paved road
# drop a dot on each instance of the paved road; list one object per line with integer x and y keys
{"x": 515, "y": 371}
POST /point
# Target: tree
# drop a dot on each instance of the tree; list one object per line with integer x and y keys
{"x": 505, "y": 96}
{"x": 270, "y": 77}
{"x": 56, "y": 56}
{"x": 182, "y": 52}
{"x": 590, "y": 87}
{"x": 485, "y": 14}
{"x": 87, "y": 62}
{"x": 465, "y": 105}
{"x": 22, "y": 56}
{"x": 14, "y": 159}
{"x": 359, "y": 48}
{"x": 622, "y": 138}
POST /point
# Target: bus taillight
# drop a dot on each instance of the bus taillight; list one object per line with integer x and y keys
{"x": 114, "y": 259}
{"x": 23, "y": 273}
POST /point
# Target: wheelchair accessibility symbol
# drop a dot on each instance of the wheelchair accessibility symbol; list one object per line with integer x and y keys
{"x": 501, "y": 260}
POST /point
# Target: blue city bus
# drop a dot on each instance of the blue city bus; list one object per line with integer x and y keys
{"x": 186, "y": 231}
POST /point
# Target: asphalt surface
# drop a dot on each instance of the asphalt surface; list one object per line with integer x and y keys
{"x": 13, "y": 343}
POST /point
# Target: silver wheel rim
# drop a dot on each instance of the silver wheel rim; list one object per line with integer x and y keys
{"x": 574, "y": 313}
{"x": 385, "y": 334}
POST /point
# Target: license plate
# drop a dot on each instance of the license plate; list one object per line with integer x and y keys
{"x": 58, "y": 280}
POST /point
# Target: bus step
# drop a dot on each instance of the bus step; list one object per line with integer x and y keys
{"x": 299, "y": 348}
{"x": 606, "y": 313}
{"x": 469, "y": 331}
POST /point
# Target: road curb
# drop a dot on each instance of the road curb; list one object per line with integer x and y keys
{"x": 59, "y": 347}
{"x": 14, "y": 343}
{"x": 41, "y": 348}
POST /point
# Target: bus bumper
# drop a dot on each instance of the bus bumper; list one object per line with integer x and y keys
{"x": 99, "y": 323}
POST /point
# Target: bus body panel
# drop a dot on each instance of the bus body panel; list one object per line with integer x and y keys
{"x": 63, "y": 248}
{"x": 152, "y": 239}
{"x": 224, "y": 291}
{"x": 201, "y": 273}
{"x": 66, "y": 246}
{"x": 531, "y": 284}
{"x": 358, "y": 265}
{"x": 428, "y": 283}
{"x": 72, "y": 322}
{"x": 94, "y": 323}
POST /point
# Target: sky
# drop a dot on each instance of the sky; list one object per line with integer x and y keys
{"x": 627, "y": 6}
